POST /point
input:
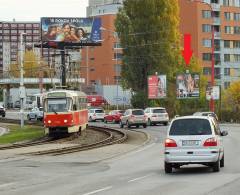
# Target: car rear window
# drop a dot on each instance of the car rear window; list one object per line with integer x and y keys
{"x": 190, "y": 127}
{"x": 99, "y": 111}
{"x": 159, "y": 111}
{"x": 137, "y": 112}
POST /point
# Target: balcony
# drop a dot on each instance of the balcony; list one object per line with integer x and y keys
{"x": 215, "y": 6}
{"x": 217, "y": 35}
{"x": 216, "y": 21}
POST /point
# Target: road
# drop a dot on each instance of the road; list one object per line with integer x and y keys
{"x": 138, "y": 172}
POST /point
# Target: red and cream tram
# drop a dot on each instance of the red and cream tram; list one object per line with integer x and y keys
{"x": 65, "y": 111}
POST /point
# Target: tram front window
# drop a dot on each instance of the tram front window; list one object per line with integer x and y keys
{"x": 58, "y": 105}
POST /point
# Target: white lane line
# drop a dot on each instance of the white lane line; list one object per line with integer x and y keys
{"x": 99, "y": 190}
{"x": 6, "y": 184}
{"x": 146, "y": 147}
{"x": 139, "y": 178}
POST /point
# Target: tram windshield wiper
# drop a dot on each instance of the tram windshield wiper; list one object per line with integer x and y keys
{"x": 54, "y": 111}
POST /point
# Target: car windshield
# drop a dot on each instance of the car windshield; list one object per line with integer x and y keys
{"x": 159, "y": 111}
{"x": 137, "y": 112}
{"x": 58, "y": 104}
{"x": 99, "y": 111}
{"x": 190, "y": 127}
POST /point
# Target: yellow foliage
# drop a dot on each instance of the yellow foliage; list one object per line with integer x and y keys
{"x": 232, "y": 96}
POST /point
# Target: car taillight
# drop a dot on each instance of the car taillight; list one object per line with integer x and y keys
{"x": 170, "y": 143}
{"x": 210, "y": 142}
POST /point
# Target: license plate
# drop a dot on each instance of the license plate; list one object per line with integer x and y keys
{"x": 190, "y": 143}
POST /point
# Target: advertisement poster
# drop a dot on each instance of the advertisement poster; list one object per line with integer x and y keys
{"x": 213, "y": 92}
{"x": 187, "y": 85}
{"x": 70, "y": 29}
{"x": 157, "y": 86}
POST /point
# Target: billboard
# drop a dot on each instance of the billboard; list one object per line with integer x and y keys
{"x": 213, "y": 92}
{"x": 70, "y": 29}
{"x": 187, "y": 85}
{"x": 157, "y": 86}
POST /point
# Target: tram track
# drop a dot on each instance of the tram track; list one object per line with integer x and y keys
{"x": 113, "y": 136}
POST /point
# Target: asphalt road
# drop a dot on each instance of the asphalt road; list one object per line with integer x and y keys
{"x": 138, "y": 172}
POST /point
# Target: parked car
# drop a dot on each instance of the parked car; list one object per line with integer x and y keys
{"x": 206, "y": 114}
{"x": 17, "y": 104}
{"x": 2, "y": 111}
{"x": 96, "y": 114}
{"x": 133, "y": 117}
{"x": 113, "y": 116}
{"x": 194, "y": 140}
{"x": 156, "y": 115}
{"x": 35, "y": 113}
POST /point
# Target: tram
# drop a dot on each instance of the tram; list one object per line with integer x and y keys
{"x": 65, "y": 111}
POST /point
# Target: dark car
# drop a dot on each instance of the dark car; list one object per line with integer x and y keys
{"x": 2, "y": 111}
{"x": 113, "y": 116}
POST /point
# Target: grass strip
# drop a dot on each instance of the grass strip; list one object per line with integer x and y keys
{"x": 18, "y": 134}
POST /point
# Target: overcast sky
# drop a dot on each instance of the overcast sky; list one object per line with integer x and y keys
{"x": 33, "y": 10}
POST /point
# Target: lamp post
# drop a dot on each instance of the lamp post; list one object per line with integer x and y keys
{"x": 115, "y": 34}
{"x": 211, "y": 104}
{"x": 22, "y": 94}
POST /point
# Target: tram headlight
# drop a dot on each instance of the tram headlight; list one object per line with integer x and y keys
{"x": 65, "y": 121}
{"x": 49, "y": 122}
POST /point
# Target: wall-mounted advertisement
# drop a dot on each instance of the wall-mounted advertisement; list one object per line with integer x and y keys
{"x": 70, "y": 29}
{"x": 188, "y": 85}
{"x": 157, "y": 86}
{"x": 213, "y": 93}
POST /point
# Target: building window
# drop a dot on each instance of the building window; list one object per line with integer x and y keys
{"x": 226, "y": 44}
{"x": 207, "y": 43}
{"x": 217, "y": 73}
{"x": 206, "y": 56}
{"x": 226, "y": 84}
{"x": 29, "y": 25}
{"x": 226, "y": 71}
{"x": 236, "y": 57}
{"x": 117, "y": 56}
{"x": 228, "y": 29}
{"x": 118, "y": 68}
{"x": 226, "y": 57}
{"x": 229, "y": 2}
{"x": 206, "y": 28}
{"x": 237, "y": 16}
{"x": 227, "y": 16}
{"x": 237, "y": 30}
{"x": 236, "y": 44}
{"x": 206, "y": 14}
{"x": 207, "y": 71}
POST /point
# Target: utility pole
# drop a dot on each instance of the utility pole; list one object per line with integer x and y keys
{"x": 22, "y": 94}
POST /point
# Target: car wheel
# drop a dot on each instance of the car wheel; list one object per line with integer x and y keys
{"x": 222, "y": 161}
{"x": 149, "y": 123}
{"x": 167, "y": 167}
{"x": 128, "y": 125}
{"x": 3, "y": 115}
{"x": 121, "y": 124}
{"x": 216, "y": 166}
{"x": 144, "y": 125}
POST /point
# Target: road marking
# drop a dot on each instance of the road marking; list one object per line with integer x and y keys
{"x": 99, "y": 190}
{"x": 146, "y": 147}
{"x": 139, "y": 178}
{"x": 6, "y": 184}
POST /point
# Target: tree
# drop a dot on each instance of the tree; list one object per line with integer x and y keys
{"x": 149, "y": 34}
{"x": 232, "y": 97}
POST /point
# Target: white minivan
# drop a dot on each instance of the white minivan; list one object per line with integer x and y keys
{"x": 194, "y": 140}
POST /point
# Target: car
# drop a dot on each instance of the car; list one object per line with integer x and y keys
{"x": 17, "y": 104}
{"x": 113, "y": 116}
{"x": 36, "y": 113}
{"x": 2, "y": 111}
{"x": 133, "y": 117}
{"x": 95, "y": 114}
{"x": 156, "y": 115}
{"x": 206, "y": 114}
{"x": 194, "y": 140}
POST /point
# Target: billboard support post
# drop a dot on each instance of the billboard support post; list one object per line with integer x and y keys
{"x": 63, "y": 67}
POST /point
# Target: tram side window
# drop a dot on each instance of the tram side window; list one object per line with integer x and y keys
{"x": 82, "y": 103}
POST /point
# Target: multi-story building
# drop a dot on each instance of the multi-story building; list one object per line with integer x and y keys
{"x": 221, "y": 18}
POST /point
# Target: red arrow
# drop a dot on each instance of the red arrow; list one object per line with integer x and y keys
{"x": 187, "y": 52}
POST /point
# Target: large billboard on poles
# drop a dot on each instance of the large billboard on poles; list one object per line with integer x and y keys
{"x": 187, "y": 85}
{"x": 157, "y": 86}
{"x": 71, "y": 29}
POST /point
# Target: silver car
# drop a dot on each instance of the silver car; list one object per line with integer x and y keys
{"x": 156, "y": 115}
{"x": 133, "y": 117}
{"x": 194, "y": 140}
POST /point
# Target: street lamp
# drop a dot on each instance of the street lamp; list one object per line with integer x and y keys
{"x": 115, "y": 34}
{"x": 212, "y": 52}
{"x": 22, "y": 94}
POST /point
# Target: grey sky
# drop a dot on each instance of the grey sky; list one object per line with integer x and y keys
{"x": 33, "y": 10}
